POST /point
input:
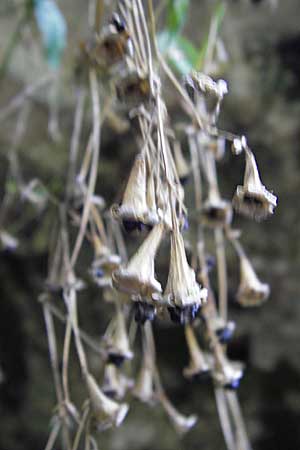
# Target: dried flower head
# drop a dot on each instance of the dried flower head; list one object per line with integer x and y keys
{"x": 138, "y": 277}
{"x": 105, "y": 50}
{"x": 133, "y": 89}
{"x": 228, "y": 374}
{"x": 134, "y": 211}
{"x": 216, "y": 212}
{"x": 182, "y": 290}
{"x": 253, "y": 199}
{"x": 117, "y": 342}
{"x": 251, "y": 292}
{"x": 211, "y": 92}
{"x": 115, "y": 384}
{"x": 106, "y": 412}
{"x": 198, "y": 368}
{"x": 181, "y": 423}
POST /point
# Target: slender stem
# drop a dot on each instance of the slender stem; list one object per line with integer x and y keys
{"x": 80, "y": 429}
{"x": 53, "y": 436}
{"x": 28, "y": 91}
{"x": 94, "y": 167}
{"x": 222, "y": 273}
{"x": 75, "y": 140}
{"x": 241, "y": 433}
{"x": 224, "y": 419}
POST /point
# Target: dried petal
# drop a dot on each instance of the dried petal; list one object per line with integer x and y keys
{"x": 253, "y": 199}
{"x": 107, "y": 413}
{"x": 138, "y": 277}
{"x": 251, "y": 292}
{"x": 182, "y": 289}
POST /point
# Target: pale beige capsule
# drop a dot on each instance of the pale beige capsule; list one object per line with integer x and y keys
{"x": 253, "y": 199}
{"x": 216, "y": 212}
{"x": 182, "y": 289}
{"x": 134, "y": 204}
{"x": 117, "y": 342}
{"x": 107, "y": 413}
{"x": 251, "y": 291}
{"x": 198, "y": 364}
{"x": 152, "y": 215}
{"x": 181, "y": 423}
{"x": 227, "y": 374}
{"x": 115, "y": 384}
{"x": 143, "y": 388}
{"x": 138, "y": 277}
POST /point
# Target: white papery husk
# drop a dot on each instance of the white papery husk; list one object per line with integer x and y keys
{"x": 253, "y": 199}
{"x": 143, "y": 389}
{"x": 216, "y": 212}
{"x": 107, "y": 413}
{"x": 115, "y": 384}
{"x": 227, "y": 372}
{"x": 182, "y": 289}
{"x": 107, "y": 49}
{"x": 106, "y": 263}
{"x": 211, "y": 93}
{"x": 152, "y": 216}
{"x": 138, "y": 277}
{"x": 251, "y": 291}
{"x": 198, "y": 363}
{"x": 181, "y": 423}
{"x": 134, "y": 88}
{"x": 134, "y": 204}
{"x": 117, "y": 342}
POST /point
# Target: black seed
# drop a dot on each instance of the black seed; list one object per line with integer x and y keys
{"x": 184, "y": 315}
{"x": 143, "y": 312}
{"x": 184, "y": 180}
{"x": 131, "y": 225}
{"x": 116, "y": 359}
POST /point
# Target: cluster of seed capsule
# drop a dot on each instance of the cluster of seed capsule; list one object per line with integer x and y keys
{"x": 153, "y": 206}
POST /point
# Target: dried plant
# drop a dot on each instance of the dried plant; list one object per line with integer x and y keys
{"x": 125, "y": 52}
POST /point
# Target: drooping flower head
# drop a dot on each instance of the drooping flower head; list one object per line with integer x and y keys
{"x": 253, "y": 199}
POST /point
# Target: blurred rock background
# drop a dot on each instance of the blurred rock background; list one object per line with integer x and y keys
{"x": 262, "y": 39}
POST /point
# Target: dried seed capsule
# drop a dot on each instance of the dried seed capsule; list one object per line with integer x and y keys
{"x": 105, "y": 50}
{"x": 198, "y": 368}
{"x": 182, "y": 292}
{"x": 228, "y": 374}
{"x": 181, "y": 423}
{"x": 138, "y": 277}
{"x": 133, "y": 89}
{"x": 117, "y": 342}
{"x": 253, "y": 199}
{"x": 134, "y": 210}
{"x": 106, "y": 412}
{"x": 251, "y": 292}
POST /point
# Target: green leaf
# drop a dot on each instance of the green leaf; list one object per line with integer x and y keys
{"x": 53, "y": 29}
{"x": 176, "y": 16}
{"x": 216, "y": 20}
{"x": 179, "y": 51}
